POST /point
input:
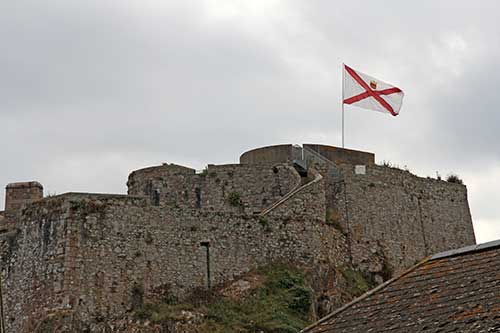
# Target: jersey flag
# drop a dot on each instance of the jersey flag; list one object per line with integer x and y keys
{"x": 367, "y": 92}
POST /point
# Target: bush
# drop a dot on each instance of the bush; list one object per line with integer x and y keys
{"x": 137, "y": 295}
{"x": 234, "y": 199}
{"x": 333, "y": 219}
{"x": 452, "y": 178}
{"x": 387, "y": 270}
{"x": 264, "y": 223}
{"x": 302, "y": 300}
{"x": 357, "y": 282}
{"x": 281, "y": 304}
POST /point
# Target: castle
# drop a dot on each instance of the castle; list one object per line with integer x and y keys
{"x": 82, "y": 255}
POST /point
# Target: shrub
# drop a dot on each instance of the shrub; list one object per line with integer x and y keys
{"x": 137, "y": 296}
{"x": 452, "y": 178}
{"x": 234, "y": 199}
{"x": 302, "y": 300}
{"x": 264, "y": 223}
{"x": 285, "y": 295}
{"x": 357, "y": 282}
{"x": 388, "y": 164}
{"x": 333, "y": 219}
{"x": 387, "y": 270}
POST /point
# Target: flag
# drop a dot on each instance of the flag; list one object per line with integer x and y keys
{"x": 367, "y": 92}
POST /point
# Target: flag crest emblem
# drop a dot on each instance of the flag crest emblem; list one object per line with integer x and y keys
{"x": 373, "y": 84}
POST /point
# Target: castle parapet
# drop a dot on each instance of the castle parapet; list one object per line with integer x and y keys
{"x": 342, "y": 155}
{"x": 19, "y": 194}
{"x": 288, "y": 153}
{"x": 271, "y": 154}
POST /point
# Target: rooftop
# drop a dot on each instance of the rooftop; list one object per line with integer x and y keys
{"x": 453, "y": 291}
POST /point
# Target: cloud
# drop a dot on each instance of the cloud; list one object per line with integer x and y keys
{"x": 91, "y": 90}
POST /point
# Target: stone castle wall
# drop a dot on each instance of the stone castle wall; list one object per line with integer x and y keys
{"x": 90, "y": 255}
{"x": 342, "y": 155}
{"x": 233, "y": 187}
{"x": 35, "y": 263}
{"x": 403, "y": 216}
{"x": 271, "y": 154}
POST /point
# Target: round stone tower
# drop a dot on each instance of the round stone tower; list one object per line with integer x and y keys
{"x": 288, "y": 153}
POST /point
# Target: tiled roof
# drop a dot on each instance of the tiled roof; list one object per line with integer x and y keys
{"x": 454, "y": 291}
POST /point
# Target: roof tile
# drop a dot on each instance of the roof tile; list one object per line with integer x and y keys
{"x": 454, "y": 291}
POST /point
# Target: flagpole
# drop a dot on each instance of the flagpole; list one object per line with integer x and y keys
{"x": 342, "y": 101}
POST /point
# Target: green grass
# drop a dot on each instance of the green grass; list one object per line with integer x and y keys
{"x": 282, "y": 304}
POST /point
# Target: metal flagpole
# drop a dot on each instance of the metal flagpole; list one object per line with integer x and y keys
{"x": 342, "y": 105}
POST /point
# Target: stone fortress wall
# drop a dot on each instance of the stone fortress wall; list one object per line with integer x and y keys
{"x": 397, "y": 214}
{"x": 216, "y": 187}
{"x": 85, "y": 254}
{"x": 88, "y": 255}
{"x": 386, "y": 210}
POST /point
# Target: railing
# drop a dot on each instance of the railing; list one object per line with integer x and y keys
{"x": 317, "y": 178}
{"x": 317, "y": 155}
{"x": 290, "y": 194}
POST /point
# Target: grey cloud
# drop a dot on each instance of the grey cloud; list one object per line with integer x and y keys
{"x": 93, "y": 89}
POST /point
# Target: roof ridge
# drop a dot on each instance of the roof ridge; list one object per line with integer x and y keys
{"x": 466, "y": 249}
{"x": 365, "y": 295}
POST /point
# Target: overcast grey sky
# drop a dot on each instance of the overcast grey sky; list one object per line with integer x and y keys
{"x": 93, "y": 89}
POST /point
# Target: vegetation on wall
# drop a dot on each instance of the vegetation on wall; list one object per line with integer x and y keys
{"x": 391, "y": 165}
{"x": 333, "y": 219}
{"x": 453, "y": 178}
{"x": 356, "y": 282}
{"x": 234, "y": 199}
{"x": 281, "y": 304}
{"x": 264, "y": 222}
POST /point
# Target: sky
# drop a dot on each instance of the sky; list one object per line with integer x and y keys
{"x": 91, "y": 90}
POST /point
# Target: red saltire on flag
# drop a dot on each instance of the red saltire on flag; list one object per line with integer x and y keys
{"x": 367, "y": 92}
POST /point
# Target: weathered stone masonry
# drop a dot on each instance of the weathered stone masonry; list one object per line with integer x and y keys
{"x": 87, "y": 256}
{"x": 398, "y": 214}
{"x": 257, "y": 186}
{"x": 18, "y": 194}
{"x": 86, "y": 252}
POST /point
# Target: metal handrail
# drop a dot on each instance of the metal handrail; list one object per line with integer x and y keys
{"x": 290, "y": 194}
{"x": 315, "y": 153}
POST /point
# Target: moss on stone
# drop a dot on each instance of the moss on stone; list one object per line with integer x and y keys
{"x": 357, "y": 283}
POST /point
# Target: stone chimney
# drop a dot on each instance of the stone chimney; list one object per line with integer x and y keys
{"x": 19, "y": 194}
